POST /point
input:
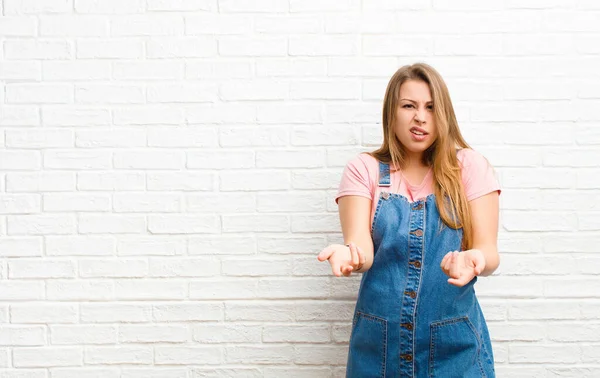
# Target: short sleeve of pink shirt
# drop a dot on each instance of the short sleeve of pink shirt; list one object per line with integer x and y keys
{"x": 361, "y": 177}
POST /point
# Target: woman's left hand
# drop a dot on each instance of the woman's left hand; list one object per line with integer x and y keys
{"x": 463, "y": 266}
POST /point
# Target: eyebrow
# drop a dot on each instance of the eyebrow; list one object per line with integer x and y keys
{"x": 407, "y": 99}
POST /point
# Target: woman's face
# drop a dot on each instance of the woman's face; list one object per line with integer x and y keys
{"x": 415, "y": 125}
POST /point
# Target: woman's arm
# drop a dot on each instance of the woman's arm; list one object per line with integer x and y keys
{"x": 484, "y": 218}
{"x": 483, "y": 258}
{"x": 355, "y": 219}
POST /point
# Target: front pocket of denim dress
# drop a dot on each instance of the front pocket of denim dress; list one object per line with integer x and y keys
{"x": 368, "y": 346}
{"x": 455, "y": 349}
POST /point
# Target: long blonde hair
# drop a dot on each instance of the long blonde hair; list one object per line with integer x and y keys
{"x": 441, "y": 155}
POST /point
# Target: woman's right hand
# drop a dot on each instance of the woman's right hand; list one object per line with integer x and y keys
{"x": 343, "y": 259}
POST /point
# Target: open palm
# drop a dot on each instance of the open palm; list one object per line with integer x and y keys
{"x": 463, "y": 266}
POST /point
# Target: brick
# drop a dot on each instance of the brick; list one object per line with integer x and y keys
{"x": 189, "y": 267}
{"x": 145, "y": 246}
{"x": 268, "y": 354}
{"x": 148, "y": 115}
{"x": 18, "y": 26}
{"x": 80, "y": 290}
{"x": 20, "y": 203}
{"x": 146, "y": 25}
{"x": 253, "y": 181}
{"x": 117, "y": 224}
{"x": 74, "y": 159}
{"x": 20, "y": 160}
{"x": 219, "y": 245}
{"x": 292, "y": 67}
{"x": 21, "y": 290}
{"x": 112, "y": 268}
{"x": 326, "y": 90}
{"x": 154, "y": 372}
{"x": 80, "y": 246}
{"x": 197, "y": 355}
{"x": 115, "y": 313}
{"x": 73, "y": 26}
{"x": 256, "y": 223}
{"x": 292, "y": 24}
{"x": 148, "y": 70}
{"x": 253, "y": 6}
{"x": 364, "y": 22}
{"x": 315, "y": 355}
{"x": 195, "y": 136}
{"x": 219, "y": 69}
{"x": 20, "y": 247}
{"x": 59, "y": 202}
{"x": 22, "y": 336}
{"x": 232, "y": 136}
{"x": 84, "y": 373}
{"x": 291, "y": 202}
{"x": 108, "y": 7}
{"x": 74, "y": 116}
{"x": 37, "y": 49}
{"x": 183, "y": 224}
{"x": 296, "y": 333}
{"x": 39, "y": 138}
{"x": 182, "y": 5}
{"x": 243, "y": 288}
{"x": 118, "y": 355}
{"x": 149, "y": 160}
{"x": 47, "y": 357}
{"x": 221, "y": 113}
{"x": 109, "y": 94}
{"x": 295, "y": 371}
{"x": 21, "y": 115}
{"x": 111, "y": 181}
{"x": 218, "y": 372}
{"x": 220, "y": 202}
{"x": 189, "y": 311}
{"x": 40, "y": 269}
{"x": 220, "y": 159}
{"x": 119, "y": 138}
{"x": 113, "y": 48}
{"x": 39, "y": 93}
{"x": 256, "y": 268}
{"x": 328, "y": 45}
{"x": 83, "y": 334}
{"x": 54, "y": 313}
{"x": 540, "y": 353}
{"x": 20, "y": 71}
{"x": 153, "y": 334}
{"x": 255, "y": 47}
{"x": 181, "y": 47}
{"x": 41, "y": 224}
{"x": 183, "y": 181}
{"x": 34, "y": 7}
{"x": 473, "y": 45}
{"x": 218, "y": 24}
{"x": 147, "y": 202}
{"x": 186, "y": 93}
{"x": 209, "y": 333}
{"x": 150, "y": 290}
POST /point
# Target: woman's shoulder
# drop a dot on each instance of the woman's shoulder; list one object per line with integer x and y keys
{"x": 468, "y": 157}
{"x": 364, "y": 161}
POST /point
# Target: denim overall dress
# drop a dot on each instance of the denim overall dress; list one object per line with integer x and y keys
{"x": 409, "y": 321}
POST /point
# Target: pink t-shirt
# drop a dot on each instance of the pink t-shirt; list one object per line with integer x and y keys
{"x": 361, "y": 178}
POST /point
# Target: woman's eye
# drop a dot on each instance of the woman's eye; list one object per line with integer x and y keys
{"x": 430, "y": 107}
{"x": 407, "y": 106}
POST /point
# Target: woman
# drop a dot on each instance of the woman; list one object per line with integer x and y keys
{"x": 420, "y": 220}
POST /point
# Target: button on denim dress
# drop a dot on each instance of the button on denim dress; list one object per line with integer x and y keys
{"x": 409, "y": 321}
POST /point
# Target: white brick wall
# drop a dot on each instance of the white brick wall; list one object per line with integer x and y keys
{"x": 168, "y": 168}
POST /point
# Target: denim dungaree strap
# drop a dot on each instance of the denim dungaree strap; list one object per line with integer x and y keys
{"x": 384, "y": 174}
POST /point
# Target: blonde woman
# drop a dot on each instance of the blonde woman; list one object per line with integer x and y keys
{"x": 420, "y": 220}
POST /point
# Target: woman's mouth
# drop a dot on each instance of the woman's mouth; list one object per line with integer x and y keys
{"x": 418, "y": 134}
